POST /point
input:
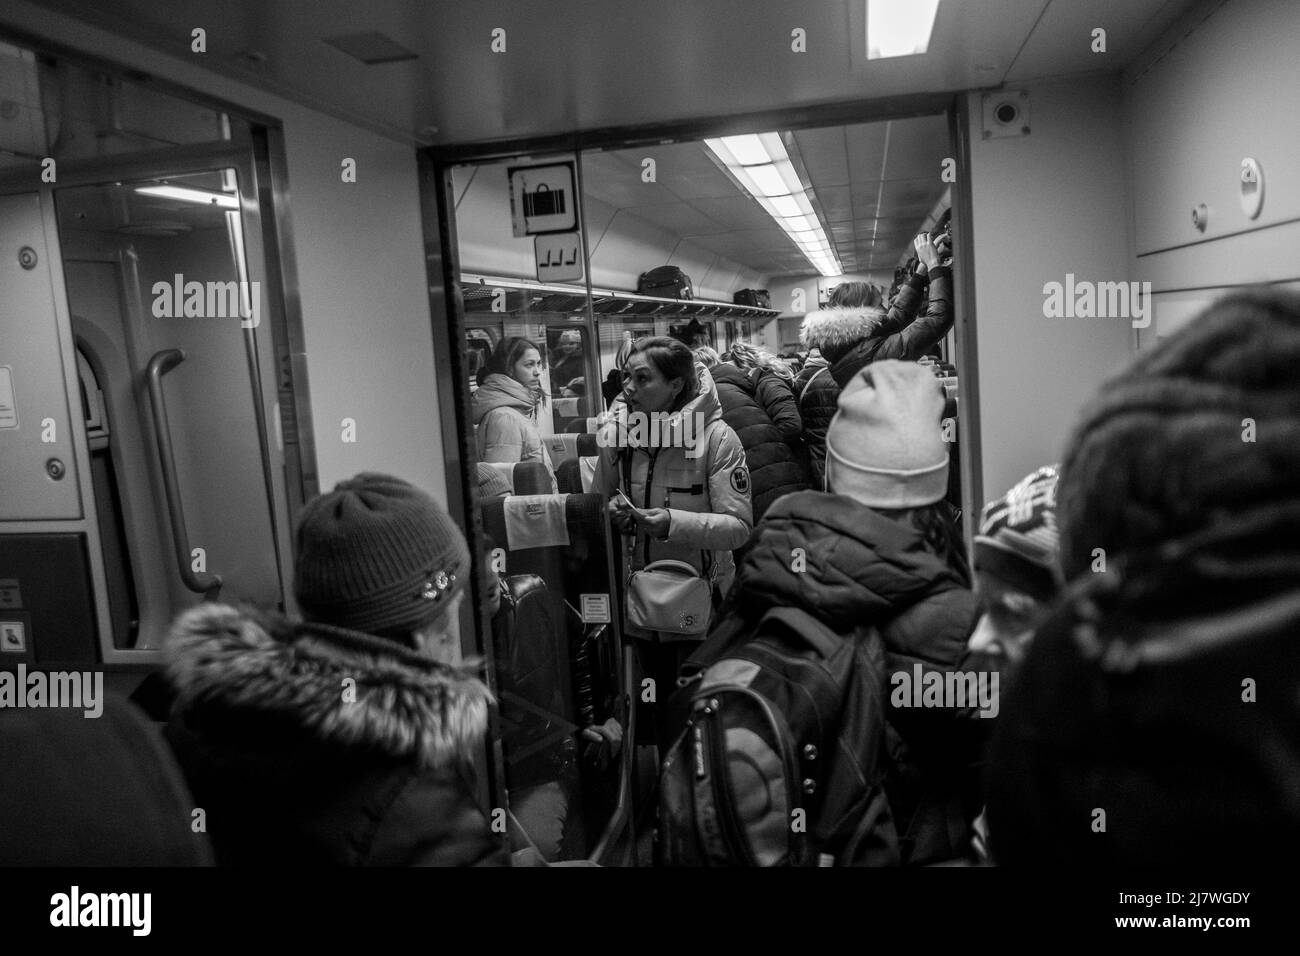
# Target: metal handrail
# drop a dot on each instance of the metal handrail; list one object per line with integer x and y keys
{"x": 200, "y": 583}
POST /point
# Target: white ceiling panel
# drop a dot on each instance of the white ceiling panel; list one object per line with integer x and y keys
{"x": 599, "y": 63}
{"x": 1062, "y": 42}
{"x": 679, "y": 218}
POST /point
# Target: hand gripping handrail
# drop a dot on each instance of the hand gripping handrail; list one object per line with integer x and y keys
{"x": 200, "y": 583}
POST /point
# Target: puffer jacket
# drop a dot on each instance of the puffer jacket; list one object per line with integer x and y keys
{"x": 290, "y": 770}
{"x": 760, "y": 408}
{"x": 851, "y": 566}
{"x": 817, "y": 398}
{"x": 706, "y": 492}
{"x": 504, "y": 415}
{"x": 849, "y": 339}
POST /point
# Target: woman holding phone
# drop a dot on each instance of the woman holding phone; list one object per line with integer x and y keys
{"x": 677, "y": 483}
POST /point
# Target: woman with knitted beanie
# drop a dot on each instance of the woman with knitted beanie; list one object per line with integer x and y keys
{"x": 1164, "y": 690}
{"x": 346, "y": 738}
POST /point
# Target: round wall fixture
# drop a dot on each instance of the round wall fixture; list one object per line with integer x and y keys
{"x": 1252, "y": 188}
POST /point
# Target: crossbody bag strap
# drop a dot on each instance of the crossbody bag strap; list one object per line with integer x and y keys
{"x": 806, "y": 385}
{"x": 707, "y": 565}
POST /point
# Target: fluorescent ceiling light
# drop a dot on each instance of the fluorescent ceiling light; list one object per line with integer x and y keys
{"x": 768, "y": 181}
{"x": 899, "y": 27}
{"x": 761, "y": 165}
{"x": 786, "y": 206}
{"x": 200, "y": 196}
{"x": 747, "y": 150}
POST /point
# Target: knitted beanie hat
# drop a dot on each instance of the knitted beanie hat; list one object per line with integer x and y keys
{"x": 378, "y": 555}
{"x": 1017, "y": 541}
{"x": 884, "y": 447}
{"x": 491, "y": 483}
{"x": 1199, "y": 435}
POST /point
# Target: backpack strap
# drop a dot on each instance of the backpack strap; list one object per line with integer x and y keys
{"x": 804, "y": 391}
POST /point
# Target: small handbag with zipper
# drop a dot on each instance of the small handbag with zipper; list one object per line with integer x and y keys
{"x": 669, "y": 596}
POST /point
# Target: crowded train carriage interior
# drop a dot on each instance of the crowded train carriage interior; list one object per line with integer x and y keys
{"x": 604, "y": 373}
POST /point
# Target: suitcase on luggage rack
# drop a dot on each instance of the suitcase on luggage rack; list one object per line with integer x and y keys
{"x": 667, "y": 282}
{"x": 757, "y": 298}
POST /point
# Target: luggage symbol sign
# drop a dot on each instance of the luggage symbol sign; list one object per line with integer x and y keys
{"x": 543, "y": 199}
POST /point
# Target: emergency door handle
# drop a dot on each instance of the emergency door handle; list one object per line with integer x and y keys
{"x": 200, "y": 583}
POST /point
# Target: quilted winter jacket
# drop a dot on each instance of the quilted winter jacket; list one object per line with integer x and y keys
{"x": 707, "y": 492}
{"x": 761, "y": 409}
{"x": 850, "y": 339}
{"x": 505, "y": 427}
{"x": 290, "y": 773}
{"x": 860, "y": 567}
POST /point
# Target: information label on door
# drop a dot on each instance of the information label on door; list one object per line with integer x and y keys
{"x": 8, "y": 410}
{"x": 559, "y": 257}
{"x": 595, "y": 608}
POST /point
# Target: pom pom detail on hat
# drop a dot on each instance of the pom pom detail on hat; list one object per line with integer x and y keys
{"x": 378, "y": 555}
{"x": 884, "y": 447}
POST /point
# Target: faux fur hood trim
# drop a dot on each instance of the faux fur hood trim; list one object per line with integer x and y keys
{"x": 224, "y": 658}
{"x": 837, "y": 329}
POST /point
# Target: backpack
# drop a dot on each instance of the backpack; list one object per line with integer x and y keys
{"x": 781, "y": 758}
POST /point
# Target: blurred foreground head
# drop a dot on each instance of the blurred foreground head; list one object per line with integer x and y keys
{"x": 1156, "y": 719}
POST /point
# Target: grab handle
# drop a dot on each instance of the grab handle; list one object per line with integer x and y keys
{"x": 200, "y": 583}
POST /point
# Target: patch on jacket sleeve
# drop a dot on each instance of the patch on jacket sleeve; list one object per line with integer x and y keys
{"x": 740, "y": 479}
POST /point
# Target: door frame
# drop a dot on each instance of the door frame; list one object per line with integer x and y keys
{"x": 280, "y": 387}
{"x": 437, "y": 199}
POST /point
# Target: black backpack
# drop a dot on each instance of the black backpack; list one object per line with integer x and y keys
{"x": 781, "y": 758}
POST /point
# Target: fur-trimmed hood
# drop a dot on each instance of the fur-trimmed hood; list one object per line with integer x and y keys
{"x": 222, "y": 660}
{"x": 833, "y": 331}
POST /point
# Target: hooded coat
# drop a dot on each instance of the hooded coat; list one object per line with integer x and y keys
{"x": 505, "y": 427}
{"x": 705, "y": 487}
{"x": 864, "y": 568}
{"x": 761, "y": 409}
{"x": 292, "y": 771}
{"x": 849, "y": 339}
{"x": 1127, "y": 702}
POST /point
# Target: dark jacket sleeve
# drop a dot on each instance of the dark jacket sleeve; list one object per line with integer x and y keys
{"x": 904, "y": 307}
{"x": 779, "y": 401}
{"x": 433, "y": 821}
{"x": 912, "y": 342}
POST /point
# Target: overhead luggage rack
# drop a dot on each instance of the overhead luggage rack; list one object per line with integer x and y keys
{"x": 479, "y": 293}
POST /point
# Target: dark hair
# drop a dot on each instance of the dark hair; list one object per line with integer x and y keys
{"x": 505, "y": 355}
{"x": 854, "y": 295}
{"x": 940, "y": 530}
{"x": 673, "y": 360}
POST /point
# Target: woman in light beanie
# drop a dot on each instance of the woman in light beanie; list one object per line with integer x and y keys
{"x": 878, "y": 549}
